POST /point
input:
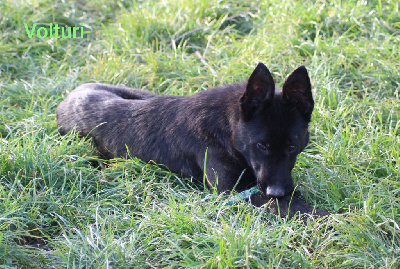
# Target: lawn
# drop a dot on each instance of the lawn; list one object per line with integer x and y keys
{"x": 63, "y": 207}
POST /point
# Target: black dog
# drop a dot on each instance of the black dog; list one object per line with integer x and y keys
{"x": 251, "y": 132}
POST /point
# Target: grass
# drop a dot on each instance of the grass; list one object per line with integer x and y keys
{"x": 61, "y": 207}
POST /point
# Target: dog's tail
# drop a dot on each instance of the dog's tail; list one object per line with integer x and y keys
{"x": 91, "y": 105}
{"x": 123, "y": 92}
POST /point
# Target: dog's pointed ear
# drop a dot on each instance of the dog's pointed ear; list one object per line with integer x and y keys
{"x": 296, "y": 92}
{"x": 260, "y": 90}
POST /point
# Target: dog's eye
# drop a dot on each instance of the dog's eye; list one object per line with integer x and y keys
{"x": 262, "y": 146}
{"x": 292, "y": 148}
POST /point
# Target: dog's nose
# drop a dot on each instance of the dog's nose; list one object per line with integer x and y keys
{"x": 275, "y": 191}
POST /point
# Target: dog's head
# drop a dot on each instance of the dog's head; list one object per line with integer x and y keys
{"x": 273, "y": 127}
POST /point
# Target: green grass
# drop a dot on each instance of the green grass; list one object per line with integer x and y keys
{"x": 61, "y": 207}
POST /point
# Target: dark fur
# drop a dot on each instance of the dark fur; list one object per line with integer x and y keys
{"x": 249, "y": 126}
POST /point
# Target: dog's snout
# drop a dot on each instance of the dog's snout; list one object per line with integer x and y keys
{"x": 275, "y": 191}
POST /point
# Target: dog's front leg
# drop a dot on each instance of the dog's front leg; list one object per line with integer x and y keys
{"x": 227, "y": 174}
